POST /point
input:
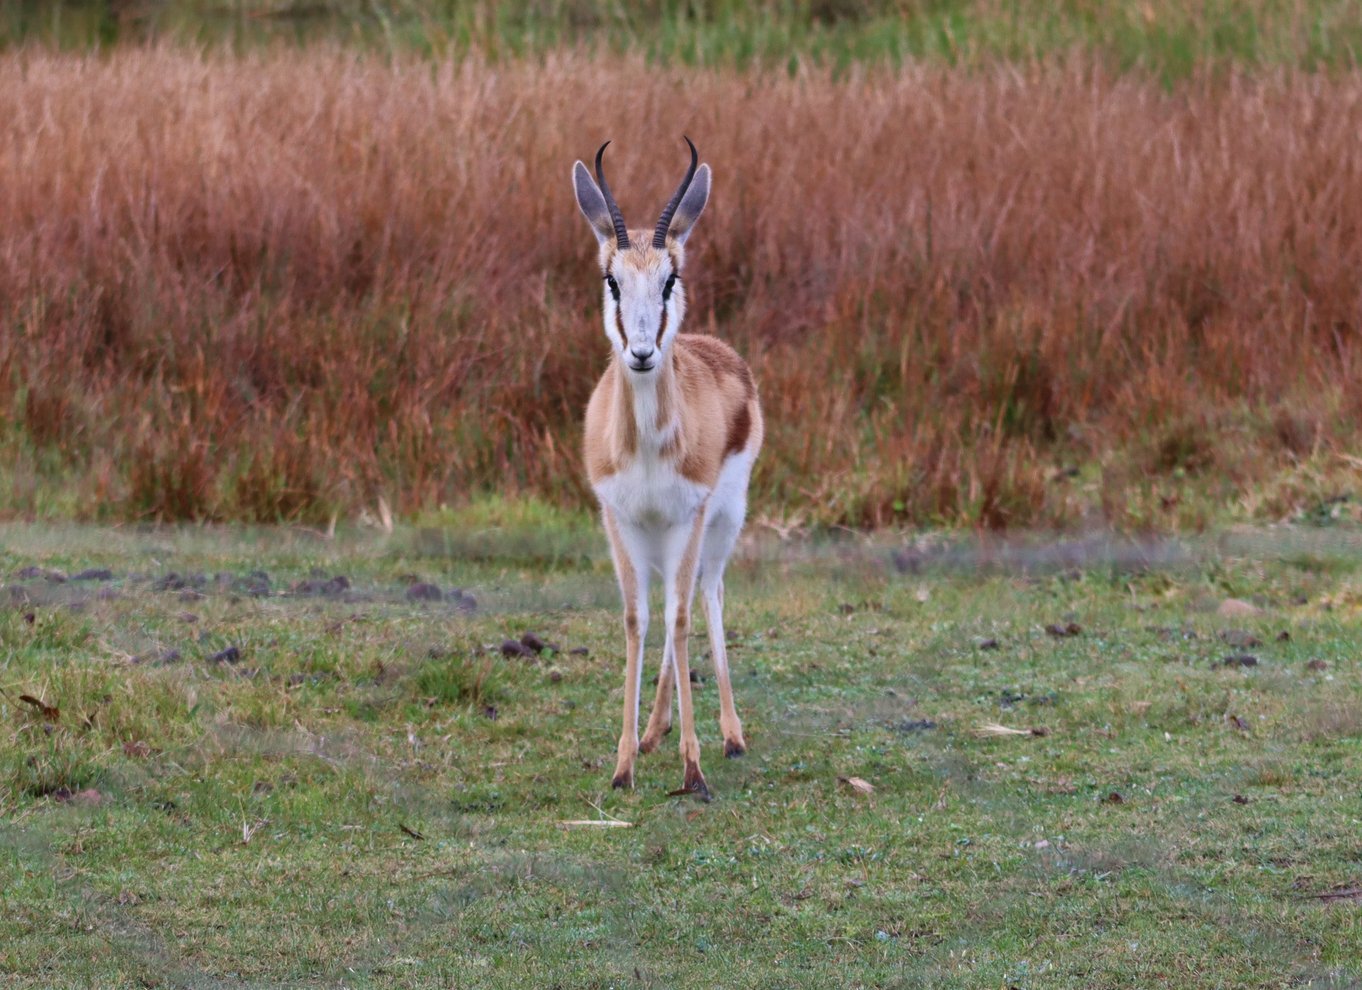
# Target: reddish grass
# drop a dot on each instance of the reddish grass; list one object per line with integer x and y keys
{"x": 274, "y": 285}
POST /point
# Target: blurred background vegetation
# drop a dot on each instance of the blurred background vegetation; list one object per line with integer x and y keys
{"x": 1042, "y": 264}
{"x": 1164, "y": 37}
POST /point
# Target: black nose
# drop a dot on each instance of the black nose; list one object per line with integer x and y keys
{"x": 641, "y": 355}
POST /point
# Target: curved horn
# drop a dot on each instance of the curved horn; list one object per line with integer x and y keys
{"x": 621, "y": 232}
{"x": 664, "y": 222}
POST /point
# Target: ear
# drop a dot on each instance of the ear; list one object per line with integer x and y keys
{"x": 691, "y": 205}
{"x": 592, "y": 204}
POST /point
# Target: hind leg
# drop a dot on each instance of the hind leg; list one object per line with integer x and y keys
{"x": 718, "y": 545}
{"x": 660, "y": 721}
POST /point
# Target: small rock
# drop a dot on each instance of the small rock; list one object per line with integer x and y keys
{"x": 1240, "y": 639}
{"x": 93, "y": 574}
{"x": 514, "y": 648}
{"x": 422, "y": 591}
{"x": 255, "y": 584}
{"x": 1240, "y": 799}
{"x": 179, "y": 582}
{"x": 579, "y": 651}
{"x": 490, "y": 712}
{"x": 1061, "y": 631}
{"x": 555, "y": 675}
{"x": 89, "y": 796}
{"x": 532, "y": 642}
{"x": 332, "y": 587}
{"x": 1317, "y": 665}
{"x": 1237, "y": 608}
{"x": 910, "y": 725}
{"x": 34, "y": 571}
{"x": 230, "y": 655}
{"x": 1115, "y": 797}
{"x": 987, "y": 644}
{"x": 908, "y": 560}
{"x": 1240, "y": 660}
{"x": 1284, "y": 637}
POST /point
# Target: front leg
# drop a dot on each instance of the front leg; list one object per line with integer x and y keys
{"x": 680, "y": 590}
{"x": 633, "y": 579}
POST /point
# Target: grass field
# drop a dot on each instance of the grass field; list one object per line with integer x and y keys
{"x": 996, "y": 264}
{"x": 367, "y": 793}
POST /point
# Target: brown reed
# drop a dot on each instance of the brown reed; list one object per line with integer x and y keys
{"x": 273, "y": 285}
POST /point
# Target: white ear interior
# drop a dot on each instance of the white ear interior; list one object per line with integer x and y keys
{"x": 692, "y": 205}
{"x": 592, "y": 203}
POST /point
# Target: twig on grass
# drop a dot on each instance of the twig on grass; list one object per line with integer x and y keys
{"x": 996, "y": 729}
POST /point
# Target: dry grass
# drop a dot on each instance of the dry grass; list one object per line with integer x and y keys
{"x": 274, "y": 285}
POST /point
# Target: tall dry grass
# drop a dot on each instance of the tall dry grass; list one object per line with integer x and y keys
{"x": 271, "y": 285}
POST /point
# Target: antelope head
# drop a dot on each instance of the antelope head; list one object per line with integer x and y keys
{"x": 644, "y": 300}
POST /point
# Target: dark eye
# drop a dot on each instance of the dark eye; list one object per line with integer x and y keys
{"x": 667, "y": 288}
{"x": 614, "y": 287}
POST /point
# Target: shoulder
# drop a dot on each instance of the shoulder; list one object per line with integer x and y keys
{"x": 715, "y": 357}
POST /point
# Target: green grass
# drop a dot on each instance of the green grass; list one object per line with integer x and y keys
{"x": 254, "y": 822}
{"x": 1161, "y": 36}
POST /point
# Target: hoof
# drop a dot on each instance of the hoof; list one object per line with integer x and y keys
{"x": 624, "y": 780}
{"x": 694, "y": 785}
{"x": 733, "y": 750}
{"x": 651, "y": 740}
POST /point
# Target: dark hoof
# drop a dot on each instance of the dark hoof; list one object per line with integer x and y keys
{"x": 733, "y": 750}
{"x": 694, "y": 785}
{"x": 623, "y": 781}
{"x": 647, "y": 744}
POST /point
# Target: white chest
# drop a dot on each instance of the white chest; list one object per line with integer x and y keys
{"x": 651, "y": 495}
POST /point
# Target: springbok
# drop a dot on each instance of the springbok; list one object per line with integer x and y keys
{"x": 672, "y": 430}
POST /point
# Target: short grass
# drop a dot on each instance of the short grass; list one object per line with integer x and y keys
{"x": 368, "y": 793}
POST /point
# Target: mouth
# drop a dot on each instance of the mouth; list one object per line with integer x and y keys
{"x": 640, "y": 368}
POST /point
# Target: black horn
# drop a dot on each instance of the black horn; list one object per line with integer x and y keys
{"x": 664, "y": 222}
{"x": 621, "y": 232}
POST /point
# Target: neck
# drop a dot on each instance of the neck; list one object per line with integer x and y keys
{"x": 646, "y": 408}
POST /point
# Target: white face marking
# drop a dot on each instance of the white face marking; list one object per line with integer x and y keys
{"x": 644, "y": 307}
